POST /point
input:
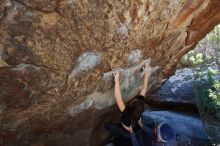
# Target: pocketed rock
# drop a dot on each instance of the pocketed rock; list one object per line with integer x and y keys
{"x": 58, "y": 54}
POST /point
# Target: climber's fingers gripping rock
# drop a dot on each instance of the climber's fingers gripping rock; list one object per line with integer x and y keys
{"x": 116, "y": 76}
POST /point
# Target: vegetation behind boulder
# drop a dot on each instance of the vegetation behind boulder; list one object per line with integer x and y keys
{"x": 205, "y": 63}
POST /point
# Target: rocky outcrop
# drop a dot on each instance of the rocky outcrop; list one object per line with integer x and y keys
{"x": 189, "y": 129}
{"x": 182, "y": 91}
{"x": 56, "y": 58}
{"x": 179, "y": 88}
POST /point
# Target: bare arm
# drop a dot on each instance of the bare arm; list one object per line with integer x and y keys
{"x": 145, "y": 82}
{"x": 117, "y": 93}
{"x": 140, "y": 123}
{"x": 134, "y": 139}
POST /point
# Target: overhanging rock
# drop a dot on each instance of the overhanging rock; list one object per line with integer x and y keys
{"x": 56, "y": 58}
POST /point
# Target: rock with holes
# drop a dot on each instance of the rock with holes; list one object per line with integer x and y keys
{"x": 134, "y": 57}
{"x": 57, "y": 58}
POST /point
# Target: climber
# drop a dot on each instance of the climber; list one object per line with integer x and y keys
{"x": 141, "y": 132}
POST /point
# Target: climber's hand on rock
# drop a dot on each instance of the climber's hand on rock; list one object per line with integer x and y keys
{"x": 147, "y": 69}
{"x": 116, "y": 76}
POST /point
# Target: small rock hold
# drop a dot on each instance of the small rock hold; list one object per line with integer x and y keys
{"x": 72, "y": 2}
{"x": 123, "y": 29}
{"x": 106, "y": 83}
{"x": 76, "y": 109}
{"x": 88, "y": 61}
{"x": 3, "y": 63}
{"x": 134, "y": 57}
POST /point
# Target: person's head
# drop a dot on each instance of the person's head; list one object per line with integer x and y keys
{"x": 164, "y": 132}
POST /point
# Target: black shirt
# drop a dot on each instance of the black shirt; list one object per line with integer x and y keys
{"x": 126, "y": 114}
{"x": 125, "y": 117}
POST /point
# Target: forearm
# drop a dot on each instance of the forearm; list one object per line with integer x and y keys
{"x": 144, "y": 85}
{"x": 118, "y": 97}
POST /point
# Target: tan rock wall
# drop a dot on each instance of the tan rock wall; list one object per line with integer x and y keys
{"x": 56, "y": 58}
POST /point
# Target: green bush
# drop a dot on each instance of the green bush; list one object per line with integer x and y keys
{"x": 201, "y": 61}
{"x": 208, "y": 102}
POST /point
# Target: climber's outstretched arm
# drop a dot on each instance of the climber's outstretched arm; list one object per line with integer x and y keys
{"x": 146, "y": 77}
{"x": 117, "y": 93}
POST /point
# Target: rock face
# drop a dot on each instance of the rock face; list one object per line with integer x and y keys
{"x": 179, "y": 88}
{"x": 56, "y": 58}
{"x": 189, "y": 128}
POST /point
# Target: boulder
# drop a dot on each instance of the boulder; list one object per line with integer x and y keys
{"x": 189, "y": 128}
{"x": 57, "y": 57}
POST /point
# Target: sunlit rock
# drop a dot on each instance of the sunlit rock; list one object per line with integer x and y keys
{"x": 57, "y": 58}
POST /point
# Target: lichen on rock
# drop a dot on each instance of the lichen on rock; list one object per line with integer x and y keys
{"x": 57, "y": 58}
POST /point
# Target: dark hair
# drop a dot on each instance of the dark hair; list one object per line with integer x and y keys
{"x": 136, "y": 107}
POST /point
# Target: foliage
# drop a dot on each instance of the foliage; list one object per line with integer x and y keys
{"x": 205, "y": 62}
{"x": 209, "y": 46}
{"x": 209, "y": 103}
